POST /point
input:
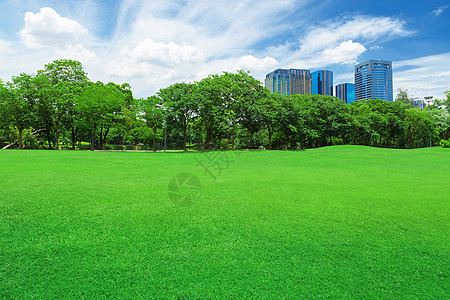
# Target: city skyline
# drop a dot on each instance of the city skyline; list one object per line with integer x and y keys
{"x": 152, "y": 44}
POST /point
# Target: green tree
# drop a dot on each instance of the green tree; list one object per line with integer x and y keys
{"x": 153, "y": 114}
{"x": 93, "y": 104}
{"x": 419, "y": 128}
{"x": 270, "y": 114}
{"x": 214, "y": 92}
{"x": 182, "y": 104}
{"x": 447, "y": 101}
{"x": 248, "y": 96}
{"x": 403, "y": 97}
{"x": 61, "y": 82}
{"x": 118, "y": 106}
{"x": 18, "y": 103}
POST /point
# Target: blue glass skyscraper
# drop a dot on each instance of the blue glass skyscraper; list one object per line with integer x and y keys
{"x": 346, "y": 92}
{"x": 373, "y": 80}
{"x": 322, "y": 82}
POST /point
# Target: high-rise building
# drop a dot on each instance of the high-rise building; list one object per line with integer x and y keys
{"x": 289, "y": 82}
{"x": 346, "y": 92}
{"x": 373, "y": 79}
{"x": 419, "y": 103}
{"x": 322, "y": 82}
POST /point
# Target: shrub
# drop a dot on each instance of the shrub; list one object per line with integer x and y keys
{"x": 445, "y": 143}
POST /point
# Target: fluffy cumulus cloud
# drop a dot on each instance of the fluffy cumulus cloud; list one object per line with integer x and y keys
{"x": 342, "y": 42}
{"x": 364, "y": 28}
{"x": 48, "y": 29}
{"x": 77, "y": 52}
{"x": 256, "y": 65}
{"x": 345, "y": 53}
{"x": 169, "y": 54}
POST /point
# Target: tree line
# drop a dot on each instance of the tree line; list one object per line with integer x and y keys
{"x": 60, "y": 107}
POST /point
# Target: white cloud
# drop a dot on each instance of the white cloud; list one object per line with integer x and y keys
{"x": 77, "y": 52}
{"x": 424, "y": 76}
{"x": 376, "y": 47}
{"x": 215, "y": 28}
{"x": 342, "y": 42}
{"x": 251, "y": 63}
{"x": 48, "y": 29}
{"x": 345, "y": 53}
{"x": 439, "y": 10}
{"x": 363, "y": 28}
{"x": 169, "y": 54}
{"x": 6, "y": 47}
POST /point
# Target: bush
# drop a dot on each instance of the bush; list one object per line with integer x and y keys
{"x": 445, "y": 143}
{"x": 337, "y": 141}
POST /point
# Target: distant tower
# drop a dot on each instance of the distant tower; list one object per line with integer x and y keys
{"x": 346, "y": 92}
{"x": 289, "y": 82}
{"x": 322, "y": 82}
{"x": 373, "y": 79}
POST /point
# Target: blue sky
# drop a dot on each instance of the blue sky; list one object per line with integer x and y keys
{"x": 152, "y": 44}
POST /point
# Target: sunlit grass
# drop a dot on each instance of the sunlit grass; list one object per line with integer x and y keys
{"x": 334, "y": 222}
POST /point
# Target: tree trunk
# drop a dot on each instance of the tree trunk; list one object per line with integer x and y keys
{"x": 101, "y": 138}
{"x": 270, "y": 137}
{"x": 20, "y": 137}
{"x": 57, "y": 139}
{"x": 93, "y": 138}
{"x": 49, "y": 138}
{"x": 208, "y": 136}
{"x": 74, "y": 137}
{"x": 251, "y": 139}
{"x": 15, "y": 142}
{"x": 154, "y": 139}
{"x": 184, "y": 136}
{"x": 105, "y": 136}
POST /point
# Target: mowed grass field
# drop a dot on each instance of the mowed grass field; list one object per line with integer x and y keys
{"x": 335, "y": 222}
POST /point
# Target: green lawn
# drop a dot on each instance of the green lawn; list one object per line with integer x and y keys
{"x": 335, "y": 222}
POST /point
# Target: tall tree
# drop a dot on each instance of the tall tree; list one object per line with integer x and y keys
{"x": 153, "y": 114}
{"x": 212, "y": 106}
{"x": 63, "y": 80}
{"x": 181, "y": 102}
{"x": 249, "y": 96}
{"x": 270, "y": 114}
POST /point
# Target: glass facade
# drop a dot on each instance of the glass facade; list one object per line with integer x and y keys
{"x": 289, "y": 82}
{"x": 346, "y": 92}
{"x": 322, "y": 83}
{"x": 373, "y": 80}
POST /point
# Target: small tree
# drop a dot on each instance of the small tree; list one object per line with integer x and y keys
{"x": 17, "y": 104}
{"x": 402, "y": 97}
